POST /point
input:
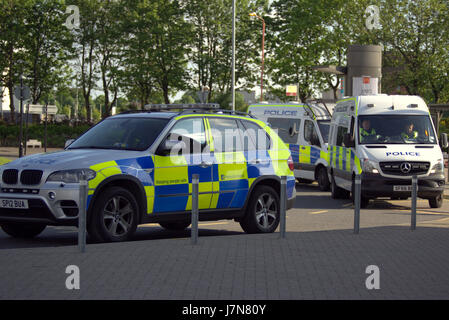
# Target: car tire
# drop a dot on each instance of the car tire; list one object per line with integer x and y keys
{"x": 20, "y": 230}
{"x": 436, "y": 202}
{"x": 323, "y": 179}
{"x": 175, "y": 226}
{"x": 337, "y": 192}
{"x": 262, "y": 213}
{"x": 114, "y": 216}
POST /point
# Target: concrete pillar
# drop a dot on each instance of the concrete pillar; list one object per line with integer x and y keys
{"x": 363, "y": 60}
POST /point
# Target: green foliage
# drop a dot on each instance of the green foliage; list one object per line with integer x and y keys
{"x": 56, "y": 134}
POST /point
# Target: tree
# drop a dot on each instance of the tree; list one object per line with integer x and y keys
{"x": 296, "y": 45}
{"x": 12, "y": 27}
{"x": 47, "y": 47}
{"x": 85, "y": 45}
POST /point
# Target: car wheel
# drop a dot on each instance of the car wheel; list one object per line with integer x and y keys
{"x": 262, "y": 215}
{"x": 323, "y": 179}
{"x": 115, "y": 215}
{"x": 19, "y": 230}
{"x": 175, "y": 226}
{"x": 436, "y": 202}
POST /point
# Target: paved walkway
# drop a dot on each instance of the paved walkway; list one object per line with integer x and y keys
{"x": 305, "y": 265}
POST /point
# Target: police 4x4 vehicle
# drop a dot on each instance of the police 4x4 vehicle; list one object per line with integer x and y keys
{"x": 386, "y": 139}
{"x": 305, "y": 128}
{"x": 139, "y": 167}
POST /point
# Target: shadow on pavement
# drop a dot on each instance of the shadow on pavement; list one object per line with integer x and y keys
{"x": 66, "y": 236}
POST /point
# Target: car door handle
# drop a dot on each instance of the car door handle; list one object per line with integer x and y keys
{"x": 205, "y": 164}
{"x": 255, "y": 161}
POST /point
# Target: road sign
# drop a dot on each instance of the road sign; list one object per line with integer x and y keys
{"x": 291, "y": 91}
{"x": 40, "y": 109}
{"x": 24, "y": 94}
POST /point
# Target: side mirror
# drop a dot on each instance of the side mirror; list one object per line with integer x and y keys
{"x": 68, "y": 143}
{"x": 168, "y": 145}
{"x": 347, "y": 140}
{"x": 443, "y": 141}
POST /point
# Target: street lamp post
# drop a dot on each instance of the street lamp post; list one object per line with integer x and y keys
{"x": 253, "y": 14}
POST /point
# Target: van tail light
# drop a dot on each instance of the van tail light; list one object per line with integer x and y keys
{"x": 290, "y": 163}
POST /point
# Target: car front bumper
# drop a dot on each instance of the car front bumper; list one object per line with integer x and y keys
{"x": 62, "y": 210}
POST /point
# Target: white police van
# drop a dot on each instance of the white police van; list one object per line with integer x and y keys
{"x": 305, "y": 129}
{"x": 386, "y": 139}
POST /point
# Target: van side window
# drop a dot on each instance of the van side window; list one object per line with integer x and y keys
{"x": 258, "y": 135}
{"x": 310, "y": 134}
{"x": 341, "y": 131}
{"x": 287, "y": 129}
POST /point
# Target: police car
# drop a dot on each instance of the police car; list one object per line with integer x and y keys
{"x": 305, "y": 128}
{"x": 387, "y": 140}
{"x": 139, "y": 167}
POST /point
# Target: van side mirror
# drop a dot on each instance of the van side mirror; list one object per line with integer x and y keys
{"x": 348, "y": 141}
{"x": 68, "y": 143}
{"x": 443, "y": 141}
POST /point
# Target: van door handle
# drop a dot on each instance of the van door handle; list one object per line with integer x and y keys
{"x": 255, "y": 161}
{"x": 205, "y": 164}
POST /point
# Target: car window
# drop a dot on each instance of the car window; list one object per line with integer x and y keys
{"x": 258, "y": 135}
{"x": 121, "y": 133}
{"x": 190, "y": 131}
{"x": 226, "y": 135}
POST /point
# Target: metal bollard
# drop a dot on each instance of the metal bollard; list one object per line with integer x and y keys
{"x": 195, "y": 196}
{"x": 357, "y": 196}
{"x": 283, "y": 206}
{"x": 82, "y": 214}
{"x": 414, "y": 196}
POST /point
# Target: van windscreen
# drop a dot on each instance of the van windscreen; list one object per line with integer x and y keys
{"x": 395, "y": 129}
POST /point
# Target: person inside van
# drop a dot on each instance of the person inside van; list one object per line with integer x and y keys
{"x": 366, "y": 130}
{"x": 409, "y": 133}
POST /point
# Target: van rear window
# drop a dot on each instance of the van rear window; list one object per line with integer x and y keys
{"x": 287, "y": 129}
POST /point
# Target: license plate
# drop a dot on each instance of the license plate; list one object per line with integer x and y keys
{"x": 402, "y": 188}
{"x": 14, "y": 203}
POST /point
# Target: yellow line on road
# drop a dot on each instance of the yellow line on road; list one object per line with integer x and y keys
{"x": 317, "y": 212}
{"x": 212, "y": 224}
{"x": 424, "y": 223}
{"x": 347, "y": 204}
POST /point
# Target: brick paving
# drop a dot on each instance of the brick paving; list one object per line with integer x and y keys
{"x": 306, "y": 265}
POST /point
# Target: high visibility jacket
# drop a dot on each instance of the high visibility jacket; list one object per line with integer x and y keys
{"x": 412, "y": 135}
{"x": 365, "y": 133}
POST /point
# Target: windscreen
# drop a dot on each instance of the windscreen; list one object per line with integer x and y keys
{"x": 121, "y": 134}
{"x": 324, "y": 126}
{"x": 395, "y": 129}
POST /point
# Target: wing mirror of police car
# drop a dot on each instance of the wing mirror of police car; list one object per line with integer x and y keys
{"x": 443, "y": 141}
{"x": 170, "y": 145}
{"x": 68, "y": 143}
{"x": 349, "y": 143}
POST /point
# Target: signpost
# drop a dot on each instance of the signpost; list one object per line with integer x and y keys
{"x": 22, "y": 93}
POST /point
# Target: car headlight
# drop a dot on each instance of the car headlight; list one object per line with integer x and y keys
{"x": 71, "y": 176}
{"x": 369, "y": 166}
{"x": 438, "y": 167}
